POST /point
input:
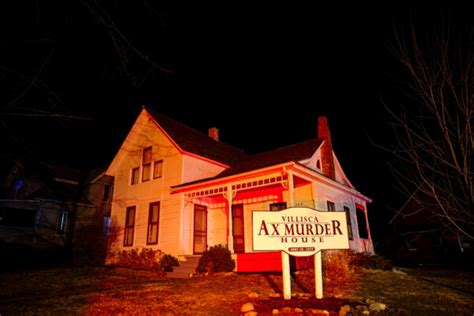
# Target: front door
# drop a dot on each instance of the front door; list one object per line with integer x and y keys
{"x": 238, "y": 228}
{"x": 200, "y": 228}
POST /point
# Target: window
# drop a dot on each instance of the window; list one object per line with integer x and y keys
{"x": 61, "y": 223}
{"x": 349, "y": 222}
{"x": 153, "y": 223}
{"x": 331, "y": 206}
{"x": 106, "y": 195}
{"x": 146, "y": 164}
{"x": 135, "y": 173}
{"x": 129, "y": 226}
{"x": 277, "y": 206}
{"x": 158, "y": 169}
{"x": 362, "y": 223}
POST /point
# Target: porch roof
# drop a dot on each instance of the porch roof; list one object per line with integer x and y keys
{"x": 287, "y": 154}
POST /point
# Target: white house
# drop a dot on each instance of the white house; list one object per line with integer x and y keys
{"x": 182, "y": 191}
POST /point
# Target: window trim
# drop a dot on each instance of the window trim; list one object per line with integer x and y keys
{"x": 128, "y": 226}
{"x": 150, "y": 223}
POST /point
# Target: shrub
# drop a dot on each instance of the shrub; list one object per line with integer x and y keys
{"x": 369, "y": 261}
{"x": 145, "y": 259}
{"x": 338, "y": 265}
{"x": 216, "y": 259}
{"x": 167, "y": 262}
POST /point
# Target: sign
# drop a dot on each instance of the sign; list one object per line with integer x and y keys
{"x": 299, "y": 231}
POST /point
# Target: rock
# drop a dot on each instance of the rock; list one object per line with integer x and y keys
{"x": 377, "y": 307}
{"x": 247, "y": 307}
{"x": 344, "y": 310}
{"x": 274, "y": 295}
{"x": 394, "y": 270}
{"x": 298, "y": 310}
{"x": 361, "y": 308}
{"x": 369, "y": 301}
{"x": 286, "y": 310}
{"x": 365, "y": 313}
{"x": 275, "y": 312}
{"x": 253, "y": 295}
{"x": 318, "y": 312}
{"x": 252, "y": 313}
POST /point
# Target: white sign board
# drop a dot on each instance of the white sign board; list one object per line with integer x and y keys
{"x": 299, "y": 231}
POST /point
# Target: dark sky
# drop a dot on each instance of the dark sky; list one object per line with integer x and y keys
{"x": 262, "y": 75}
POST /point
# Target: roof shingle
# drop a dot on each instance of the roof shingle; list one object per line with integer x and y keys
{"x": 195, "y": 142}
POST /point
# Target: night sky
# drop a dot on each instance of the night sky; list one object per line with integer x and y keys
{"x": 262, "y": 75}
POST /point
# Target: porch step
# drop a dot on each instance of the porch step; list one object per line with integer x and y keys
{"x": 187, "y": 267}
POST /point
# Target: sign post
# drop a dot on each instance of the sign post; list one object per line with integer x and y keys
{"x": 299, "y": 231}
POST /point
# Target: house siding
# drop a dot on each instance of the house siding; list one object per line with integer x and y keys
{"x": 196, "y": 169}
{"x": 144, "y": 134}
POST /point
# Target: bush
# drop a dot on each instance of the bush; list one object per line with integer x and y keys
{"x": 146, "y": 259}
{"x": 167, "y": 262}
{"x": 338, "y": 265}
{"x": 216, "y": 259}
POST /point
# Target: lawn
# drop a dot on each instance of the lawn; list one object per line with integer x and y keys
{"x": 107, "y": 291}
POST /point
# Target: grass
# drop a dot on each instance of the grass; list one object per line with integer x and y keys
{"x": 104, "y": 291}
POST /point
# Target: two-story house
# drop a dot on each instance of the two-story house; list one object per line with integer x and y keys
{"x": 181, "y": 191}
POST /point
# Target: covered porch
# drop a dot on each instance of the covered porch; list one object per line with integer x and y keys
{"x": 220, "y": 212}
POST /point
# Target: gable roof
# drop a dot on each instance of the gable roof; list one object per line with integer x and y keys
{"x": 193, "y": 141}
{"x": 295, "y": 152}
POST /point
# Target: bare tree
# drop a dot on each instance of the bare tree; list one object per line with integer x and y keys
{"x": 434, "y": 129}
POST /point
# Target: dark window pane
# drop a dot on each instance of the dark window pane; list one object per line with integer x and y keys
{"x": 278, "y": 206}
{"x": 61, "y": 223}
{"x": 146, "y": 155}
{"x": 361, "y": 222}
{"x": 331, "y": 206}
{"x": 135, "y": 175}
{"x": 349, "y": 222}
{"x": 158, "y": 169}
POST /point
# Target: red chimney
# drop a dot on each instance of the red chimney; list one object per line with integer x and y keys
{"x": 327, "y": 160}
{"x": 213, "y": 133}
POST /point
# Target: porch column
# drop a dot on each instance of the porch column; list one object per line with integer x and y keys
{"x": 291, "y": 189}
{"x": 285, "y": 258}
{"x": 369, "y": 235}
{"x": 230, "y": 239}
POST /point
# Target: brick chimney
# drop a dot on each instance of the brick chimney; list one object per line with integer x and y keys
{"x": 213, "y": 133}
{"x": 327, "y": 160}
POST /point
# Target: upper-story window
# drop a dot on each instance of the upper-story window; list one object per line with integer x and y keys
{"x": 146, "y": 164}
{"x": 106, "y": 195}
{"x": 158, "y": 169}
{"x": 135, "y": 175}
{"x": 331, "y": 206}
